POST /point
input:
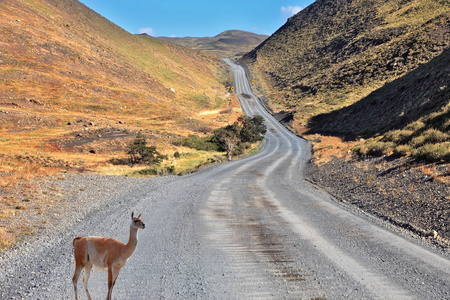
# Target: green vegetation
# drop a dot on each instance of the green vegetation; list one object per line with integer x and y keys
{"x": 371, "y": 69}
{"x": 199, "y": 143}
{"x": 233, "y": 139}
{"x": 427, "y": 140}
{"x": 140, "y": 153}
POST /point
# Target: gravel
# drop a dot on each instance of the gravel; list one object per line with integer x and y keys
{"x": 247, "y": 229}
{"x": 391, "y": 190}
{"x": 83, "y": 196}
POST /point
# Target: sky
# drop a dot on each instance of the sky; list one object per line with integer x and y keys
{"x": 198, "y": 18}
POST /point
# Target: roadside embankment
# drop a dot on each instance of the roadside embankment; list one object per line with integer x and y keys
{"x": 392, "y": 190}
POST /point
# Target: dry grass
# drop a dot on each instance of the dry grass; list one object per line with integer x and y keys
{"x": 61, "y": 63}
{"x": 324, "y": 147}
{"x": 6, "y": 239}
{"x": 311, "y": 69}
{"x": 436, "y": 172}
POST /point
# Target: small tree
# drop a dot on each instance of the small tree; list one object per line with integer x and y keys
{"x": 139, "y": 152}
{"x": 253, "y": 129}
{"x": 234, "y": 139}
{"x": 227, "y": 138}
{"x": 231, "y": 141}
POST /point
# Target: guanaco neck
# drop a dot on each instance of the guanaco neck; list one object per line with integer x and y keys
{"x": 132, "y": 241}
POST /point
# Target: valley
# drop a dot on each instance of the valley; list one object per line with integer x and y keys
{"x": 346, "y": 197}
{"x": 250, "y": 228}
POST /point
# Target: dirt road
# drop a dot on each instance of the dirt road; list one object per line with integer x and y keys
{"x": 245, "y": 229}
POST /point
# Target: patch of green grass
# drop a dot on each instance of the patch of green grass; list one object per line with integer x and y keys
{"x": 201, "y": 101}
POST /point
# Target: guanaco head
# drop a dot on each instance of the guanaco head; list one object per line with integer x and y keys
{"x": 137, "y": 222}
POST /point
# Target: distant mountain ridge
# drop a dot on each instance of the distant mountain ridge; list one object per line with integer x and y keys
{"x": 230, "y": 43}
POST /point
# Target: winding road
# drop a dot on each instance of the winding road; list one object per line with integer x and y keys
{"x": 246, "y": 229}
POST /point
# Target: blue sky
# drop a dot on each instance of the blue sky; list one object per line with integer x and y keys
{"x": 179, "y": 18}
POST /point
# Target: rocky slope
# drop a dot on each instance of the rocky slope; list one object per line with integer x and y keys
{"x": 394, "y": 190}
{"x": 398, "y": 103}
{"x": 335, "y": 53}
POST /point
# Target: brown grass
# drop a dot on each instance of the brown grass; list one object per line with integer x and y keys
{"x": 324, "y": 147}
{"x": 61, "y": 63}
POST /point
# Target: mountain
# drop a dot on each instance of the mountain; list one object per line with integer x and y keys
{"x": 336, "y": 52}
{"x": 412, "y": 97}
{"x": 231, "y": 43}
{"x": 372, "y": 69}
{"x": 73, "y": 82}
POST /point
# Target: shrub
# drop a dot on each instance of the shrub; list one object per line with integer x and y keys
{"x": 432, "y": 153}
{"x": 360, "y": 149}
{"x": 401, "y": 150}
{"x": 417, "y": 141}
{"x": 439, "y": 119}
{"x": 375, "y": 149}
{"x": 446, "y": 125}
{"x": 415, "y": 126}
{"x": 148, "y": 172}
{"x": 234, "y": 138}
{"x": 170, "y": 169}
{"x": 388, "y": 147}
{"x": 139, "y": 152}
{"x": 253, "y": 129}
{"x": 433, "y": 136}
{"x": 398, "y": 136}
{"x": 446, "y": 156}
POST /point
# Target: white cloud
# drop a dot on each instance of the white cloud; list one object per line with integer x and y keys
{"x": 259, "y": 31}
{"x": 147, "y": 30}
{"x": 289, "y": 11}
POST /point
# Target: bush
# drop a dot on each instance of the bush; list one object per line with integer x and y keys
{"x": 415, "y": 126}
{"x": 375, "y": 149}
{"x": 234, "y": 139}
{"x": 148, "y": 172}
{"x": 417, "y": 141}
{"x": 153, "y": 171}
{"x": 252, "y": 129}
{"x": 139, "y": 152}
{"x": 398, "y": 136}
{"x": 433, "y": 136}
{"x": 401, "y": 150}
{"x": 360, "y": 150}
{"x": 432, "y": 153}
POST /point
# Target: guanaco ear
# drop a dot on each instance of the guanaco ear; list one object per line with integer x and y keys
{"x": 139, "y": 216}
{"x": 132, "y": 215}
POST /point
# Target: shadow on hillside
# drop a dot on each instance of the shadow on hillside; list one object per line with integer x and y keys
{"x": 396, "y": 104}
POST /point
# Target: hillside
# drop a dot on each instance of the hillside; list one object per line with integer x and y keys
{"x": 337, "y": 52}
{"x": 75, "y": 88}
{"x": 403, "y": 101}
{"x": 231, "y": 43}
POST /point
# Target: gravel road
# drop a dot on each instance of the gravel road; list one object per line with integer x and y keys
{"x": 245, "y": 229}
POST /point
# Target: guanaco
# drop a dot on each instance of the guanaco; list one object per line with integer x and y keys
{"x": 104, "y": 254}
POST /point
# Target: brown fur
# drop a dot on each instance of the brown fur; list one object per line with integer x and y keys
{"x": 103, "y": 253}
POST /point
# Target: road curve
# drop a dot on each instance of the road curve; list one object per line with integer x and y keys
{"x": 245, "y": 229}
